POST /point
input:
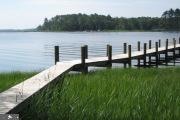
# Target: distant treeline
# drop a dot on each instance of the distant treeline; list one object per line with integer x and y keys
{"x": 170, "y": 20}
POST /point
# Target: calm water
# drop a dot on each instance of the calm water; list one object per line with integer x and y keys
{"x": 28, "y": 51}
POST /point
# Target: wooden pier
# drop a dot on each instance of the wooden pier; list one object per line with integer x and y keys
{"x": 16, "y": 98}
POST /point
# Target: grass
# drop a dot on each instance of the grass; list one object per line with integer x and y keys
{"x": 110, "y": 95}
{"x": 8, "y": 80}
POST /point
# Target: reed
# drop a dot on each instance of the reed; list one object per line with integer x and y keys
{"x": 110, "y": 95}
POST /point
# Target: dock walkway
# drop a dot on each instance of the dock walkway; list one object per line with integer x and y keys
{"x": 13, "y": 99}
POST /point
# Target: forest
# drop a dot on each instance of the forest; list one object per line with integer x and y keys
{"x": 170, "y": 20}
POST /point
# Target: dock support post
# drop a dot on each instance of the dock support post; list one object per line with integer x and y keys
{"x": 86, "y": 51}
{"x": 129, "y": 55}
{"x": 174, "y": 51}
{"x": 150, "y": 46}
{"x": 166, "y": 52}
{"x": 179, "y": 48}
{"x": 139, "y": 49}
{"x": 144, "y": 56}
{"x": 84, "y": 68}
{"x": 157, "y": 57}
{"x": 125, "y": 52}
{"x": 159, "y": 43}
{"x": 109, "y": 54}
{"x": 159, "y": 47}
{"x": 56, "y": 54}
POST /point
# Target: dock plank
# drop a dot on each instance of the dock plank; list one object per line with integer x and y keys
{"x": 15, "y": 95}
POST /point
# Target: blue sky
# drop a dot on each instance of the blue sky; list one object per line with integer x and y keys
{"x": 20, "y": 14}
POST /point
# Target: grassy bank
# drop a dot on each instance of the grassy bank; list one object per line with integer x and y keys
{"x": 111, "y": 95}
{"x": 8, "y": 80}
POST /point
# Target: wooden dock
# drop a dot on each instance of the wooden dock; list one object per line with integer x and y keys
{"x": 14, "y": 99}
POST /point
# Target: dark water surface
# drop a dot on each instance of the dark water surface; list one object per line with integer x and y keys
{"x": 27, "y": 51}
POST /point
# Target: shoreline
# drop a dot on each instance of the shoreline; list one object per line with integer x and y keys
{"x": 79, "y": 31}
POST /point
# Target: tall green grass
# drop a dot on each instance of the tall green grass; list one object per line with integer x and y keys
{"x": 8, "y": 80}
{"x": 110, "y": 95}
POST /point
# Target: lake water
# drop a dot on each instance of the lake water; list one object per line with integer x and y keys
{"x": 27, "y": 51}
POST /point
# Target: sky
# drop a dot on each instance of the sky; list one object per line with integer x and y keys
{"x": 23, "y": 14}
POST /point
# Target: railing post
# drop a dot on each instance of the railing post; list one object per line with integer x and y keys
{"x": 109, "y": 51}
{"x": 144, "y": 56}
{"x": 86, "y": 51}
{"x": 174, "y": 51}
{"x": 174, "y": 42}
{"x": 179, "y": 47}
{"x": 159, "y": 42}
{"x": 157, "y": 57}
{"x": 125, "y": 48}
{"x": 159, "y": 47}
{"x": 125, "y": 52}
{"x": 83, "y": 55}
{"x": 166, "y": 52}
{"x": 84, "y": 69}
{"x": 150, "y": 46}
{"x": 56, "y": 54}
{"x": 139, "y": 49}
{"x": 129, "y": 55}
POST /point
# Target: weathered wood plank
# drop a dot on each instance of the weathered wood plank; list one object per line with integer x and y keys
{"x": 12, "y": 97}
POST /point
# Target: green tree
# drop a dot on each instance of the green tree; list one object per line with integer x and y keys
{"x": 170, "y": 20}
